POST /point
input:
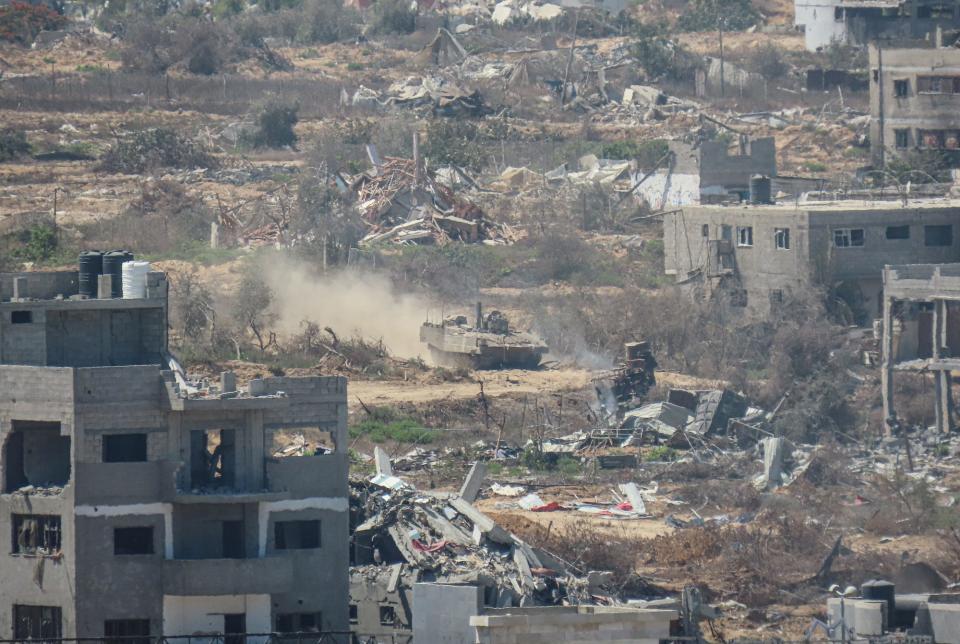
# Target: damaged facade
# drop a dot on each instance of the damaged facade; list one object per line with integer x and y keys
{"x": 756, "y": 255}
{"x": 913, "y": 86}
{"x": 857, "y": 22}
{"x": 921, "y": 324}
{"x": 140, "y": 503}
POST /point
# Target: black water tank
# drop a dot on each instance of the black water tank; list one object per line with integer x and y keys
{"x": 881, "y": 590}
{"x": 113, "y": 266}
{"x": 91, "y": 266}
{"x": 760, "y": 190}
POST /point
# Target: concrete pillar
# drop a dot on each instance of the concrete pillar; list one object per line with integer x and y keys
{"x": 104, "y": 286}
{"x": 214, "y": 235}
{"x": 887, "y": 360}
{"x": 944, "y": 400}
{"x": 20, "y": 289}
{"x": 773, "y": 462}
{"x": 228, "y": 381}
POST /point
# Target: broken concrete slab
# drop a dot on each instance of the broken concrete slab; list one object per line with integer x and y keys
{"x": 471, "y": 485}
{"x": 632, "y": 492}
{"x": 487, "y": 526}
{"x": 382, "y": 461}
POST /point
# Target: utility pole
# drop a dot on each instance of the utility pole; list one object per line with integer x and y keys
{"x": 566, "y": 72}
{"x": 883, "y": 151}
{"x": 720, "y": 33}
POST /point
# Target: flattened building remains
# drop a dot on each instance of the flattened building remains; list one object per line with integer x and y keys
{"x": 139, "y": 503}
{"x": 754, "y": 256}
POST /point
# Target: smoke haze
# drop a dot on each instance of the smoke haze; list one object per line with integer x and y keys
{"x": 351, "y": 303}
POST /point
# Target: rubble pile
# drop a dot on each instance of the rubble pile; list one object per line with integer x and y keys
{"x": 444, "y": 538}
{"x": 403, "y": 205}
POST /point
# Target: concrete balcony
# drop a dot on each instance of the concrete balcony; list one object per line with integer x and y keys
{"x": 227, "y": 576}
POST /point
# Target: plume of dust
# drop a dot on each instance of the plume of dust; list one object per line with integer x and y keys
{"x": 350, "y": 302}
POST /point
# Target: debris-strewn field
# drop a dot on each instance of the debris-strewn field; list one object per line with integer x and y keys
{"x": 319, "y": 180}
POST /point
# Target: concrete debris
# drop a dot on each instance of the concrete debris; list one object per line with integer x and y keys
{"x": 471, "y": 485}
{"x": 401, "y": 203}
{"x": 444, "y": 538}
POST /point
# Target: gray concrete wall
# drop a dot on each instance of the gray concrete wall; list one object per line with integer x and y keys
{"x": 720, "y": 168}
{"x": 45, "y": 285}
{"x": 444, "y": 612}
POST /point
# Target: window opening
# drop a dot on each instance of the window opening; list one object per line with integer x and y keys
{"x": 297, "y": 535}
{"x": 35, "y": 534}
{"x": 133, "y": 541}
{"x": 124, "y": 448}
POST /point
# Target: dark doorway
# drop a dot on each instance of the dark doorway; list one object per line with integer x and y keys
{"x": 212, "y": 458}
{"x": 234, "y": 626}
{"x": 233, "y": 540}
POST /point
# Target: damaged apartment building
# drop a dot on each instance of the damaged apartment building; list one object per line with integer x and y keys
{"x": 755, "y": 256}
{"x": 137, "y": 502}
{"x": 921, "y": 332}
{"x": 914, "y": 94}
{"x": 827, "y": 23}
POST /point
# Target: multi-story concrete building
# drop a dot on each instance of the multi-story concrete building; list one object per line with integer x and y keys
{"x": 857, "y": 22}
{"x": 757, "y": 255}
{"x": 136, "y": 503}
{"x": 914, "y": 98}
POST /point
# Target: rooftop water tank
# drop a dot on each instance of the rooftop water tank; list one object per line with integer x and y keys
{"x": 91, "y": 265}
{"x": 135, "y": 280}
{"x": 112, "y": 265}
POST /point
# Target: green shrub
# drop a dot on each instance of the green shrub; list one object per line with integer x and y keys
{"x": 40, "y": 244}
{"x": 705, "y": 15}
{"x": 393, "y": 17}
{"x": 569, "y": 466}
{"x": 274, "y": 122}
{"x": 155, "y": 148}
{"x": 662, "y": 453}
{"x": 454, "y": 142}
{"x": 326, "y": 21}
{"x": 13, "y": 144}
{"x": 386, "y": 424}
{"x": 648, "y": 154}
{"x": 661, "y": 57}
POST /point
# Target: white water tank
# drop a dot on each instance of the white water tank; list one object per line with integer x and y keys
{"x": 135, "y": 280}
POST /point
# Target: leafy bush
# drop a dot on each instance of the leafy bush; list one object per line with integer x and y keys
{"x": 20, "y": 22}
{"x": 155, "y": 148}
{"x": 156, "y": 45}
{"x": 40, "y": 244}
{"x": 274, "y": 121}
{"x": 13, "y": 144}
{"x": 454, "y": 142}
{"x": 659, "y": 56}
{"x": 706, "y": 15}
{"x": 661, "y": 453}
{"x": 768, "y": 61}
{"x": 387, "y": 424}
{"x": 648, "y": 154}
{"x": 393, "y": 17}
{"x": 326, "y": 21}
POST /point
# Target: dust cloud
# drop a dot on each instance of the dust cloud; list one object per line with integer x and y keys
{"x": 350, "y": 302}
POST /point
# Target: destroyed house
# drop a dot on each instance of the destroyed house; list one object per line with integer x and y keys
{"x": 858, "y": 22}
{"x": 754, "y": 256}
{"x": 921, "y": 332}
{"x": 136, "y": 502}
{"x": 914, "y": 100}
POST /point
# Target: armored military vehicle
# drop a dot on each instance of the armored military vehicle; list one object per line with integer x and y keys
{"x": 489, "y": 344}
